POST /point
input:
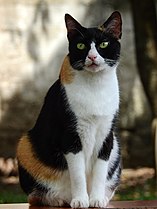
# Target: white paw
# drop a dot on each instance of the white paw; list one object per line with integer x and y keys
{"x": 98, "y": 202}
{"x": 79, "y": 203}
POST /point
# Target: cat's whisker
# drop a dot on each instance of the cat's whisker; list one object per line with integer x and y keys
{"x": 78, "y": 65}
{"x": 111, "y": 62}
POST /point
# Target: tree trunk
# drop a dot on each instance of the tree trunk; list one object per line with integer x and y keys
{"x": 145, "y": 25}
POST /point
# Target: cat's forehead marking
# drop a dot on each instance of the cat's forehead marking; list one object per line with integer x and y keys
{"x": 66, "y": 73}
{"x": 101, "y": 28}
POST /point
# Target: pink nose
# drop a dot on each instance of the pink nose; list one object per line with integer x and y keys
{"x": 92, "y": 57}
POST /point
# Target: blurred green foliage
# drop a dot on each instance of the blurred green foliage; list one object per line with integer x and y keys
{"x": 12, "y": 197}
{"x": 145, "y": 191}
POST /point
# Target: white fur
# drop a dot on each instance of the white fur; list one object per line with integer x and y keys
{"x": 99, "y": 61}
{"x": 94, "y": 98}
{"x": 76, "y": 165}
{"x": 98, "y": 198}
{"x": 94, "y": 94}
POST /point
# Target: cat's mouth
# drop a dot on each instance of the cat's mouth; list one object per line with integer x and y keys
{"x": 92, "y": 65}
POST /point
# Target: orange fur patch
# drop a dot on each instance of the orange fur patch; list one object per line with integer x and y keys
{"x": 28, "y": 160}
{"x": 67, "y": 73}
{"x": 101, "y": 27}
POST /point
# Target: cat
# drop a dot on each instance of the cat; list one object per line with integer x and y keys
{"x": 71, "y": 156}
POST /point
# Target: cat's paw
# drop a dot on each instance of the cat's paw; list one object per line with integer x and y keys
{"x": 98, "y": 202}
{"x": 79, "y": 203}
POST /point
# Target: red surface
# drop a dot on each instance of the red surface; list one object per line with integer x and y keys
{"x": 113, "y": 204}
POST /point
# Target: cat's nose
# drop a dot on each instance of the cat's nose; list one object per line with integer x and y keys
{"x": 92, "y": 57}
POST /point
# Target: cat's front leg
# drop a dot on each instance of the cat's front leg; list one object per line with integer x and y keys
{"x": 98, "y": 198}
{"x": 76, "y": 166}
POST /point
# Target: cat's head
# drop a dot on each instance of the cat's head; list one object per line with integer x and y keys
{"x": 94, "y": 49}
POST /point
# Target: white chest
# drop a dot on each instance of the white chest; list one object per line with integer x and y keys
{"x": 93, "y": 94}
{"x": 94, "y": 99}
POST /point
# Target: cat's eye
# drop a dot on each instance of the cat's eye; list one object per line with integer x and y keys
{"x": 103, "y": 45}
{"x": 80, "y": 46}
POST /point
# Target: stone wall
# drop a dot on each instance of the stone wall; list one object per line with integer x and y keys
{"x": 32, "y": 46}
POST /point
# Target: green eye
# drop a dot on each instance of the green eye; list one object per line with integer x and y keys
{"x": 80, "y": 46}
{"x": 104, "y": 44}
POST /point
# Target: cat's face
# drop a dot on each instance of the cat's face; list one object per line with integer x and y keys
{"x": 94, "y": 49}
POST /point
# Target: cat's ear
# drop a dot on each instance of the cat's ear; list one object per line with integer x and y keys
{"x": 72, "y": 25}
{"x": 113, "y": 25}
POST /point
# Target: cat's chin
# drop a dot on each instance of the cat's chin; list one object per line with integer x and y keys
{"x": 93, "y": 68}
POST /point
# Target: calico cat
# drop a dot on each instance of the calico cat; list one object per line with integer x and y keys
{"x": 71, "y": 155}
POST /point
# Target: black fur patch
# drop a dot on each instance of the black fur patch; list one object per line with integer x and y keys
{"x": 107, "y": 146}
{"x": 116, "y": 164}
{"x": 27, "y": 182}
{"x": 54, "y": 133}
